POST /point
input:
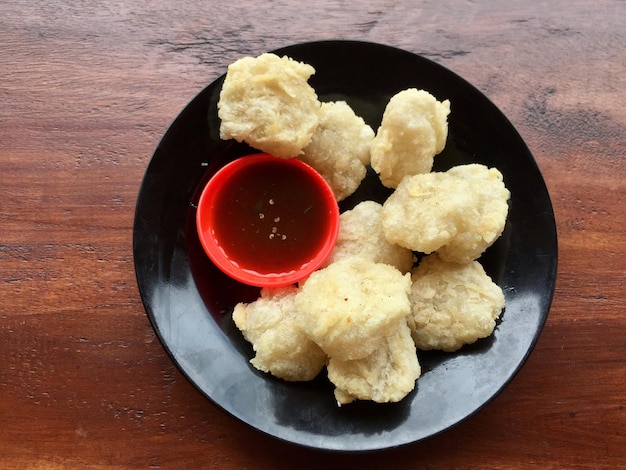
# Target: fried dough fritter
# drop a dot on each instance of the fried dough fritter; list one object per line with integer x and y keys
{"x": 274, "y": 327}
{"x": 388, "y": 374}
{"x": 413, "y": 130}
{"x": 351, "y": 306}
{"x": 459, "y": 213}
{"x": 452, "y": 304}
{"x": 361, "y": 234}
{"x": 340, "y": 148}
{"x": 267, "y": 102}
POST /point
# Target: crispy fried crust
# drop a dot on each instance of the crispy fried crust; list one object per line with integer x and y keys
{"x": 340, "y": 148}
{"x": 274, "y": 327}
{"x": 361, "y": 234}
{"x": 413, "y": 130}
{"x": 266, "y": 101}
{"x": 452, "y": 304}
{"x": 387, "y": 375}
{"x": 458, "y": 213}
{"x": 352, "y": 305}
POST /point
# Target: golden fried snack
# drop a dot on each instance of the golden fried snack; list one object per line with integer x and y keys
{"x": 350, "y": 306}
{"x": 340, "y": 148}
{"x": 452, "y": 304}
{"x": 273, "y": 325}
{"x": 490, "y": 212}
{"x": 361, "y": 234}
{"x": 387, "y": 375}
{"x": 413, "y": 130}
{"x": 266, "y": 101}
{"x": 459, "y": 213}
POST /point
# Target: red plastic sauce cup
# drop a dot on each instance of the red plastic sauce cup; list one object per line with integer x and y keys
{"x": 267, "y": 221}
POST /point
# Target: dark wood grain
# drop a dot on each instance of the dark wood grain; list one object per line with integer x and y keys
{"x": 87, "y": 90}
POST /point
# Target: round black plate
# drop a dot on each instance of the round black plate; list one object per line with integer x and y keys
{"x": 189, "y": 301}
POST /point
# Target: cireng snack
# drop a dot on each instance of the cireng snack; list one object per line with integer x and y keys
{"x": 452, "y": 304}
{"x": 340, "y": 148}
{"x": 458, "y": 213}
{"x": 274, "y": 327}
{"x": 350, "y": 306}
{"x": 414, "y": 129}
{"x": 372, "y": 307}
{"x": 361, "y": 234}
{"x": 267, "y": 102}
{"x": 386, "y": 375}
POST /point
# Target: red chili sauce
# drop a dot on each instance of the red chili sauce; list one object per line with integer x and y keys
{"x": 274, "y": 218}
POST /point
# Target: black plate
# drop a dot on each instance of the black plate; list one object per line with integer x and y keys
{"x": 189, "y": 301}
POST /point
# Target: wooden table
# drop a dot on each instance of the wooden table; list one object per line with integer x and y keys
{"x": 87, "y": 89}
